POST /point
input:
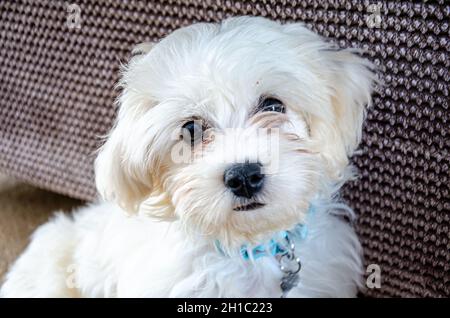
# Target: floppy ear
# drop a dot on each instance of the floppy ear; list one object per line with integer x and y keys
{"x": 117, "y": 177}
{"x": 351, "y": 82}
{"x": 121, "y": 173}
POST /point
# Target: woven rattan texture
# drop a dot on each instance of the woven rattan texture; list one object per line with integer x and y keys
{"x": 57, "y": 97}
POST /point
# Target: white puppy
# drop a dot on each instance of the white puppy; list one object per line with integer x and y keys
{"x": 199, "y": 204}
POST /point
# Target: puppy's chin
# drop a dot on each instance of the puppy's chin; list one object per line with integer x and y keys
{"x": 234, "y": 225}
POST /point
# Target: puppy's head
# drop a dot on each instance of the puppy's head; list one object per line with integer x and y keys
{"x": 233, "y": 128}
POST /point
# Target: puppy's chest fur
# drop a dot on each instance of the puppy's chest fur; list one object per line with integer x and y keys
{"x": 167, "y": 262}
{"x": 155, "y": 259}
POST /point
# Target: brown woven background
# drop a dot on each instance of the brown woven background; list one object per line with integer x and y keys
{"x": 57, "y": 93}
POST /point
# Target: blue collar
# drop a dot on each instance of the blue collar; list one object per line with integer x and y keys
{"x": 276, "y": 245}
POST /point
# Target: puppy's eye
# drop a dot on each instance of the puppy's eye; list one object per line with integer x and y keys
{"x": 271, "y": 104}
{"x": 193, "y": 131}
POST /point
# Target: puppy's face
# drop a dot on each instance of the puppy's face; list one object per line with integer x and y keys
{"x": 233, "y": 128}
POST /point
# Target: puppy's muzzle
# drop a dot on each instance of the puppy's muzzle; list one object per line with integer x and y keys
{"x": 244, "y": 179}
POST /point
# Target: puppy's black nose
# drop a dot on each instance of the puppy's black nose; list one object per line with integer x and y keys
{"x": 244, "y": 179}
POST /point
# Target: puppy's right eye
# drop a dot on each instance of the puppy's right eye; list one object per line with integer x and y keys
{"x": 271, "y": 104}
{"x": 193, "y": 131}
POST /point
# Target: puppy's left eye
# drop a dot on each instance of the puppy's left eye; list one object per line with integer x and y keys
{"x": 271, "y": 104}
{"x": 194, "y": 130}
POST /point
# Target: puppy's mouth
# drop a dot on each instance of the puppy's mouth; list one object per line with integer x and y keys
{"x": 249, "y": 206}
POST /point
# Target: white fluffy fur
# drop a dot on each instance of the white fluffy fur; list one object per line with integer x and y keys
{"x": 154, "y": 237}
